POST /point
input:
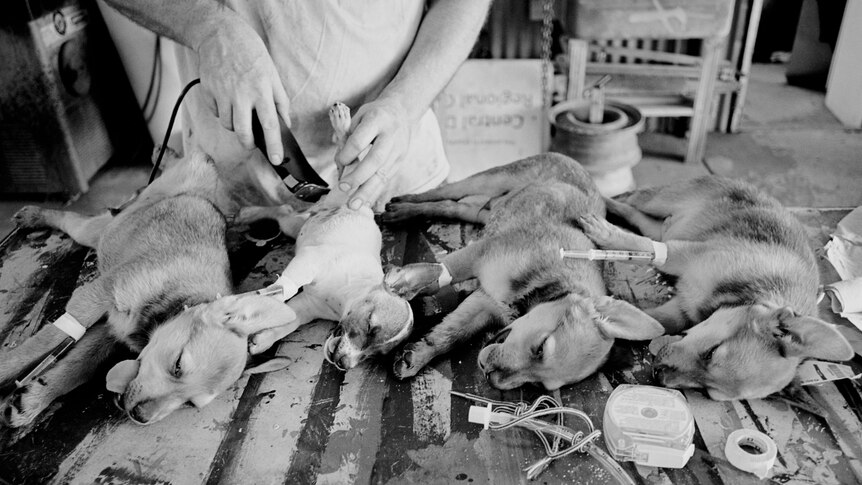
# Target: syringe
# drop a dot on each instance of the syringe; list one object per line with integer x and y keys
{"x": 606, "y": 255}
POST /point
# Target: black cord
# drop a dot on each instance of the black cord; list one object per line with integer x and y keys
{"x": 170, "y": 127}
{"x": 145, "y": 106}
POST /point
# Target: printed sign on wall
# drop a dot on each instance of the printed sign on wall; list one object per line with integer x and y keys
{"x": 491, "y": 114}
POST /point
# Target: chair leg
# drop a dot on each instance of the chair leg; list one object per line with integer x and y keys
{"x": 703, "y": 100}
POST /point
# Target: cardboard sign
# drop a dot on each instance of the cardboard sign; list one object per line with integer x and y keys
{"x": 491, "y": 114}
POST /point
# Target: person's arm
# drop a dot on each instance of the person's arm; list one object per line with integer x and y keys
{"x": 444, "y": 40}
{"x": 235, "y": 67}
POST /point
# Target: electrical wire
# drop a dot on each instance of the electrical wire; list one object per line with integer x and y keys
{"x": 164, "y": 147}
{"x": 525, "y": 415}
{"x": 155, "y": 85}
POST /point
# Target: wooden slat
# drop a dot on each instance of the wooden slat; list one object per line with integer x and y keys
{"x": 807, "y": 453}
{"x": 843, "y": 423}
{"x": 355, "y": 433}
{"x": 178, "y": 449}
{"x": 628, "y": 55}
{"x": 37, "y": 275}
{"x": 645, "y": 70}
{"x": 280, "y": 406}
{"x": 578, "y": 56}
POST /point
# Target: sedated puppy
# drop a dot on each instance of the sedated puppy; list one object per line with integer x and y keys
{"x": 162, "y": 265}
{"x": 746, "y": 290}
{"x": 337, "y": 264}
{"x": 558, "y": 325}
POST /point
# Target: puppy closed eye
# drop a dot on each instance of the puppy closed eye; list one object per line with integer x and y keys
{"x": 706, "y": 357}
{"x": 177, "y": 370}
{"x": 539, "y": 350}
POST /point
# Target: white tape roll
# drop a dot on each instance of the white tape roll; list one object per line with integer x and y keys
{"x": 759, "y": 463}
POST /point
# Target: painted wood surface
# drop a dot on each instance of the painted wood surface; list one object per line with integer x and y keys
{"x": 311, "y": 423}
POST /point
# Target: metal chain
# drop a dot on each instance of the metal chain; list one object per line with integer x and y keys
{"x": 547, "y": 27}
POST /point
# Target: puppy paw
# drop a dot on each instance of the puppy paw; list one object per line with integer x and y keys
{"x": 413, "y": 279}
{"x": 600, "y": 231}
{"x": 400, "y": 211}
{"x": 407, "y": 198}
{"x": 23, "y": 405}
{"x": 30, "y": 217}
{"x": 261, "y": 342}
{"x": 409, "y": 361}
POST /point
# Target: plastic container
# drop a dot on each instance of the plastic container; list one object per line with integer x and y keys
{"x": 648, "y": 425}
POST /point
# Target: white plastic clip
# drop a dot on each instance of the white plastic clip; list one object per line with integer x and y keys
{"x": 480, "y": 415}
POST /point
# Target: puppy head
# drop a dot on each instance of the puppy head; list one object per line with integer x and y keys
{"x": 195, "y": 356}
{"x": 745, "y": 352}
{"x": 372, "y": 325}
{"x": 562, "y": 341}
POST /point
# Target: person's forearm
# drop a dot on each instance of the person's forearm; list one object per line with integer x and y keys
{"x": 187, "y": 22}
{"x": 444, "y": 41}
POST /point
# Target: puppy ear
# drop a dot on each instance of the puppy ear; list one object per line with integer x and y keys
{"x": 248, "y": 314}
{"x": 121, "y": 375}
{"x": 271, "y": 365}
{"x": 620, "y": 319}
{"x": 806, "y": 336}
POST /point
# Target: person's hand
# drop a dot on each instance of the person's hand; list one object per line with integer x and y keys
{"x": 382, "y": 125}
{"x": 238, "y": 73}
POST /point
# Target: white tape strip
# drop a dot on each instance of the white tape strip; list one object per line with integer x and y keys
{"x": 445, "y": 277}
{"x": 660, "y": 250}
{"x": 759, "y": 463}
{"x": 70, "y": 326}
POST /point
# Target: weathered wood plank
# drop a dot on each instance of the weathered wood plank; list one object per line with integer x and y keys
{"x": 38, "y": 272}
{"x": 280, "y": 405}
{"x": 355, "y": 433}
{"x": 806, "y": 453}
{"x": 843, "y": 423}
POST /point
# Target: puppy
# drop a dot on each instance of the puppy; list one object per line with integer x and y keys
{"x": 558, "y": 325}
{"x": 162, "y": 263}
{"x": 338, "y": 266}
{"x": 746, "y": 300}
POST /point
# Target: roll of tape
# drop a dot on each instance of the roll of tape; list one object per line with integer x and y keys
{"x": 757, "y": 463}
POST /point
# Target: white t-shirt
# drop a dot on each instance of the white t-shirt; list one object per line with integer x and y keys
{"x": 325, "y": 51}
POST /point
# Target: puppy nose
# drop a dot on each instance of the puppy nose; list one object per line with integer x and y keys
{"x": 500, "y": 337}
{"x": 137, "y": 415}
{"x": 659, "y": 372}
{"x": 343, "y": 363}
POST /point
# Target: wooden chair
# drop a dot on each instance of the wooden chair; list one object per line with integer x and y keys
{"x": 659, "y": 84}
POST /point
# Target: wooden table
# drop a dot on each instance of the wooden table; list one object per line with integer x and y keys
{"x": 312, "y": 423}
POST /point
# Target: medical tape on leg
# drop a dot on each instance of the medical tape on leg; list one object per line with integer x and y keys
{"x": 70, "y": 326}
{"x": 660, "y": 250}
{"x": 445, "y": 277}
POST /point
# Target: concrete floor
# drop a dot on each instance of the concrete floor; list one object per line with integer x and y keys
{"x": 789, "y": 145}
